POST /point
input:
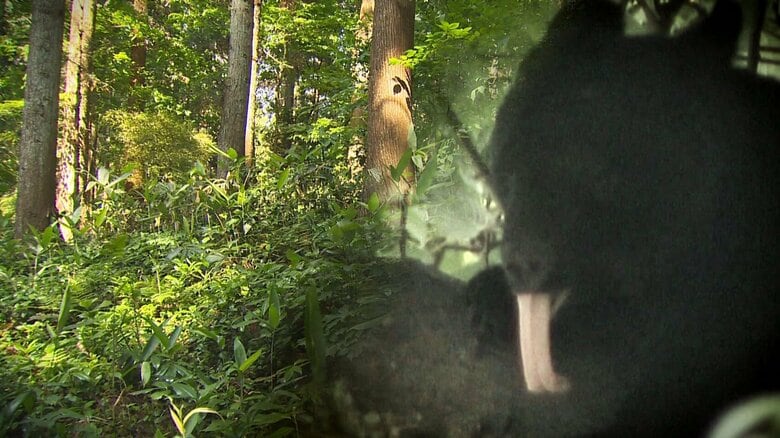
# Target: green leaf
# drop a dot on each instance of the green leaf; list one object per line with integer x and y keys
{"x": 239, "y": 352}
{"x": 115, "y": 246}
{"x": 249, "y": 361}
{"x": 173, "y": 337}
{"x": 121, "y": 57}
{"x": 274, "y": 310}
{"x": 232, "y": 153}
{"x": 158, "y": 332}
{"x": 129, "y": 168}
{"x": 349, "y": 213}
{"x": 285, "y": 175}
{"x": 315, "y": 338}
{"x": 208, "y": 333}
{"x": 46, "y": 236}
{"x": 428, "y": 174}
{"x": 403, "y": 163}
{"x": 184, "y": 390}
{"x": 373, "y": 203}
{"x": 151, "y": 345}
{"x": 24, "y": 399}
{"x": 146, "y": 372}
{"x": 176, "y": 417}
{"x": 65, "y": 305}
{"x": 190, "y": 423}
{"x": 75, "y": 216}
{"x": 100, "y": 217}
{"x": 195, "y": 413}
{"x": 293, "y": 257}
{"x": 102, "y": 176}
{"x": 411, "y": 138}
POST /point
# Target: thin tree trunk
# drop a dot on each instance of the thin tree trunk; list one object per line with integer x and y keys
{"x": 138, "y": 52}
{"x": 249, "y": 136}
{"x": 390, "y": 100}
{"x": 38, "y": 143}
{"x": 236, "y": 99}
{"x": 288, "y": 78}
{"x": 75, "y": 107}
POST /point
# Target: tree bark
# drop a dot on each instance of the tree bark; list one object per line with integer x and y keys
{"x": 389, "y": 100}
{"x": 38, "y": 143}
{"x": 236, "y": 99}
{"x": 72, "y": 148}
{"x": 288, "y": 78}
{"x": 138, "y": 52}
{"x": 249, "y": 133}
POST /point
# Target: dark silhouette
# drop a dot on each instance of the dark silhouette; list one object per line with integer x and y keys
{"x": 641, "y": 173}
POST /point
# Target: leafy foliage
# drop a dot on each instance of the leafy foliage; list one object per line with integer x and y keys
{"x": 164, "y": 143}
{"x": 206, "y": 309}
{"x": 14, "y": 29}
{"x": 10, "y": 124}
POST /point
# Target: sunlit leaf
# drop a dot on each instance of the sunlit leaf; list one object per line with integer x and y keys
{"x": 100, "y": 217}
{"x": 283, "y": 177}
{"x": 102, "y": 176}
{"x": 250, "y": 360}
{"x": 65, "y": 304}
{"x": 239, "y": 352}
{"x": 146, "y": 372}
{"x": 177, "y": 421}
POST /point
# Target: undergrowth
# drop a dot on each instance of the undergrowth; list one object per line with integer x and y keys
{"x": 182, "y": 306}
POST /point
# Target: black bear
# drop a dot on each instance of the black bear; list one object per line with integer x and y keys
{"x": 640, "y": 174}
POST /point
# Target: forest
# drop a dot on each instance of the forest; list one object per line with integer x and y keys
{"x": 209, "y": 208}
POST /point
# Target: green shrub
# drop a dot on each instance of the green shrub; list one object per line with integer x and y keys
{"x": 197, "y": 296}
{"x": 163, "y": 143}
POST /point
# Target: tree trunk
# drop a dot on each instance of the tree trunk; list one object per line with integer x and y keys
{"x": 138, "y": 52}
{"x": 285, "y": 90}
{"x": 236, "y": 99}
{"x": 389, "y": 100}
{"x": 356, "y": 153}
{"x": 72, "y": 147}
{"x": 38, "y": 143}
{"x": 249, "y": 136}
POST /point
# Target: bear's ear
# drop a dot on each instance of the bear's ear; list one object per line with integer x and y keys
{"x": 588, "y": 16}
